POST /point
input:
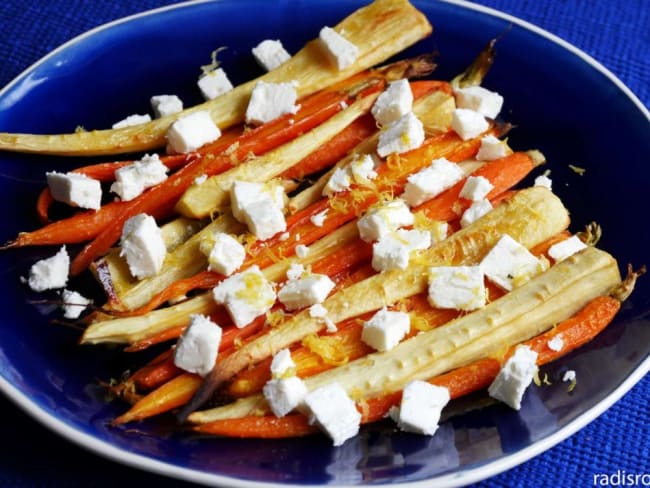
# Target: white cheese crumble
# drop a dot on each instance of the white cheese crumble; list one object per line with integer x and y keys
{"x": 509, "y": 263}
{"x": 384, "y": 219}
{"x": 270, "y": 54}
{"x": 476, "y": 188}
{"x": 429, "y": 182}
{"x": 569, "y": 376}
{"x": 319, "y": 219}
{"x": 131, "y": 120}
{"x": 214, "y": 83}
{"x": 556, "y": 344}
{"x": 305, "y": 291}
{"x": 340, "y": 52}
{"x": 479, "y": 99}
{"x": 142, "y": 246}
{"x": 318, "y": 311}
{"x": 74, "y": 304}
{"x": 50, "y": 273}
{"x": 164, "y": 105}
{"x": 361, "y": 171}
{"x": 334, "y": 412}
{"x": 284, "y": 394}
{"x": 133, "y": 179}
{"x": 457, "y": 287}
{"x": 394, "y": 102}
{"x": 295, "y": 271}
{"x": 246, "y": 295}
{"x": 566, "y": 248}
{"x": 198, "y": 347}
{"x": 421, "y": 407}
{"x": 468, "y": 123}
{"x": 475, "y": 211}
{"x": 393, "y": 251}
{"x": 301, "y": 251}
{"x": 225, "y": 254}
{"x": 385, "y": 329}
{"x": 191, "y": 131}
{"x": 543, "y": 180}
{"x": 281, "y": 363}
{"x": 75, "y": 189}
{"x": 491, "y": 148}
{"x": 271, "y": 100}
{"x": 403, "y": 135}
{"x": 514, "y": 377}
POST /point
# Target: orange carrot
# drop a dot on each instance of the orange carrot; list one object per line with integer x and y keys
{"x": 172, "y": 394}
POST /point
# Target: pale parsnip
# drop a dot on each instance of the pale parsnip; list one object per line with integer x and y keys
{"x": 395, "y": 25}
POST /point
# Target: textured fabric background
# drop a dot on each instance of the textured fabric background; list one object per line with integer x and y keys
{"x": 616, "y": 33}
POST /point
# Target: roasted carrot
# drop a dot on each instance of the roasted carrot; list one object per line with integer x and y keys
{"x": 172, "y": 394}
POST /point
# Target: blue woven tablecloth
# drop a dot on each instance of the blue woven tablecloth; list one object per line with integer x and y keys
{"x": 616, "y": 33}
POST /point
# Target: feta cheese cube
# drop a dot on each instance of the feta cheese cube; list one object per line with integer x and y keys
{"x": 214, "y": 83}
{"x": 514, "y": 377}
{"x": 131, "y": 120}
{"x": 164, "y": 105}
{"x": 421, "y": 406}
{"x": 143, "y": 246}
{"x": 305, "y": 291}
{"x": 393, "y": 251}
{"x": 74, "y": 303}
{"x": 431, "y": 181}
{"x": 243, "y": 193}
{"x": 340, "y": 180}
{"x": 491, "y": 148}
{"x": 475, "y": 211}
{"x": 468, "y": 123}
{"x": 337, "y": 48}
{"x": 384, "y": 219}
{"x": 543, "y": 180}
{"x": 403, "y": 135}
{"x": 334, "y": 412}
{"x": 264, "y": 220}
{"x": 246, "y": 295}
{"x": 75, "y": 189}
{"x": 131, "y": 180}
{"x": 476, "y": 188}
{"x": 319, "y": 219}
{"x": 457, "y": 287}
{"x": 271, "y": 100}
{"x": 225, "y": 254}
{"x": 394, "y": 102}
{"x": 50, "y": 273}
{"x": 282, "y": 364}
{"x": 198, "y": 347}
{"x": 270, "y": 54}
{"x": 362, "y": 169}
{"x": 508, "y": 262}
{"x": 385, "y": 329}
{"x": 566, "y": 248}
{"x": 479, "y": 99}
{"x": 192, "y": 131}
{"x": 556, "y": 344}
{"x": 284, "y": 394}
{"x": 259, "y": 206}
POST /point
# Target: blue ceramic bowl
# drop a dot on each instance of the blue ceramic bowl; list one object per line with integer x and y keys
{"x": 567, "y": 106}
